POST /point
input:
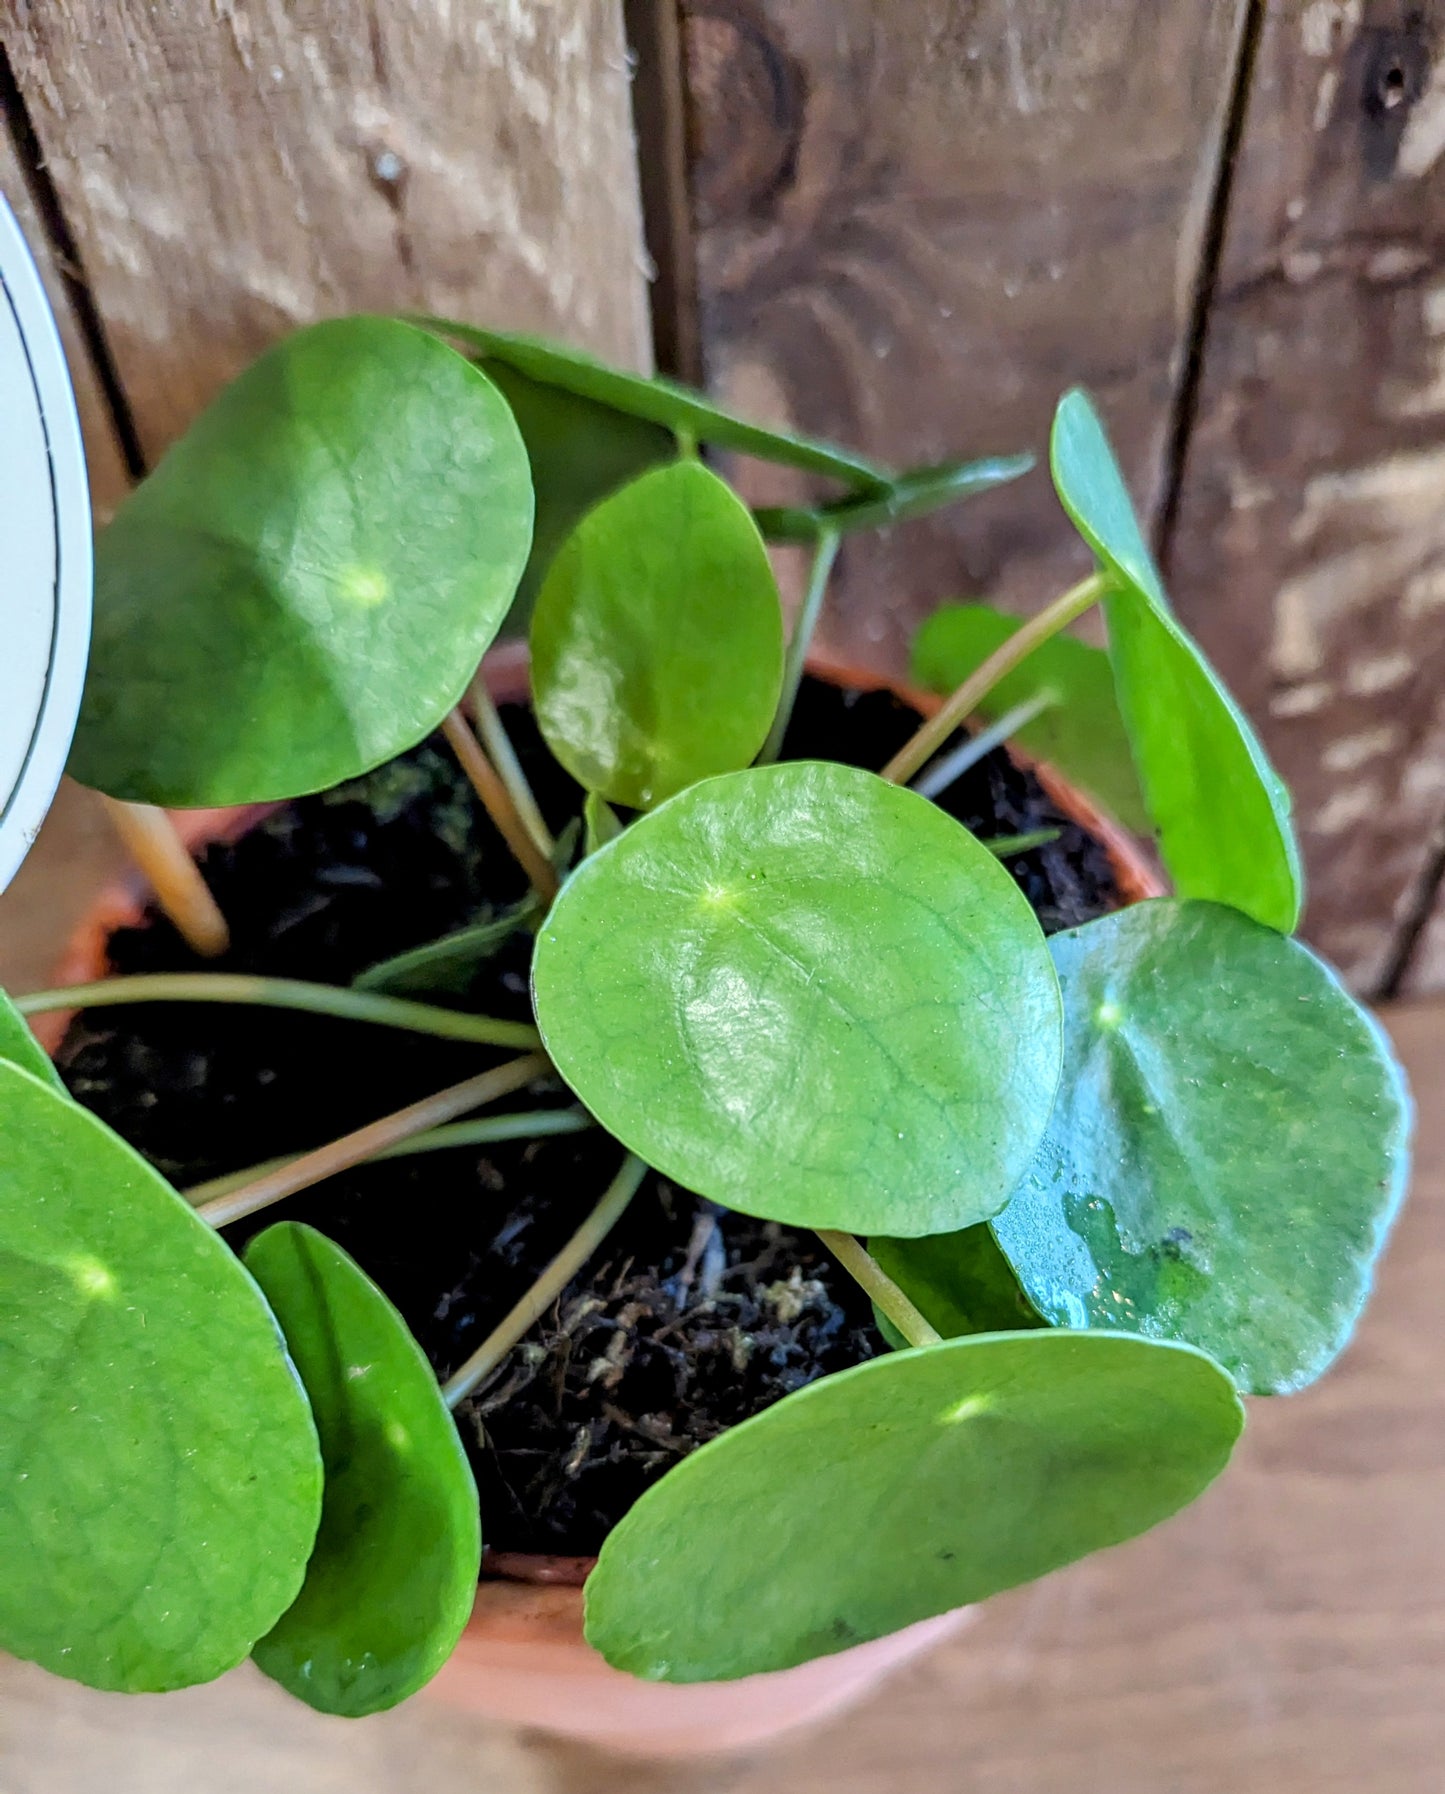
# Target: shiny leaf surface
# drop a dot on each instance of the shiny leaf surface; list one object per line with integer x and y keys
{"x": 907, "y": 1486}
{"x": 304, "y": 585}
{"x": 391, "y": 1582}
{"x": 657, "y": 641}
{"x": 160, "y": 1482}
{"x": 1227, "y": 1150}
{"x": 811, "y": 996}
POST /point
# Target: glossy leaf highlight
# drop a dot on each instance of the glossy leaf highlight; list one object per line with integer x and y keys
{"x": 1228, "y": 1147}
{"x": 810, "y": 995}
{"x": 1221, "y": 811}
{"x": 304, "y": 585}
{"x": 657, "y": 641}
{"x": 391, "y": 1582}
{"x": 907, "y": 1486}
{"x": 160, "y": 1482}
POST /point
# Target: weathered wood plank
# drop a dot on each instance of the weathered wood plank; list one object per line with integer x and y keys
{"x": 108, "y": 480}
{"x": 232, "y": 171}
{"x": 1310, "y": 549}
{"x": 918, "y": 224}
{"x": 1421, "y": 958}
{"x": 229, "y": 172}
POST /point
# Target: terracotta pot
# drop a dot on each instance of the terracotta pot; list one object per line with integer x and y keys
{"x": 522, "y": 1658}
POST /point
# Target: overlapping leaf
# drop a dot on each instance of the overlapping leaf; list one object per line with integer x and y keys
{"x": 1081, "y": 732}
{"x": 20, "y": 1047}
{"x": 911, "y": 494}
{"x": 656, "y": 400}
{"x": 579, "y": 452}
{"x": 305, "y": 584}
{"x": 657, "y": 641}
{"x": 960, "y": 1283}
{"x": 810, "y": 995}
{"x": 160, "y": 1483}
{"x": 1221, "y": 812}
{"x": 897, "y": 1490}
{"x": 449, "y": 966}
{"x": 391, "y": 1582}
{"x": 1227, "y": 1150}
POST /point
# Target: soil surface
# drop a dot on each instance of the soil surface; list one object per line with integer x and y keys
{"x": 691, "y": 1318}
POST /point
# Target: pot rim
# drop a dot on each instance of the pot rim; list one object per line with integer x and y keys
{"x": 121, "y": 903}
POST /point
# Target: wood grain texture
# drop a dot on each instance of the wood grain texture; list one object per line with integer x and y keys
{"x": 1309, "y": 555}
{"x": 918, "y": 224}
{"x": 233, "y": 169}
{"x": 1422, "y": 971}
{"x": 108, "y": 480}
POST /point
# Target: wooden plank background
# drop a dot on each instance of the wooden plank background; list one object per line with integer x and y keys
{"x": 227, "y": 172}
{"x": 231, "y": 172}
{"x": 916, "y": 225}
{"x": 1309, "y": 550}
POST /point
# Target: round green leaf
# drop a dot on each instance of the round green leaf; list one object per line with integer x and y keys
{"x": 1228, "y": 1147}
{"x": 305, "y": 584}
{"x": 20, "y": 1047}
{"x": 1081, "y": 733}
{"x": 959, "y": 1282}
{"x": 811, "y": 996}
{"x": 391, "y": 1582}
{"x": 657, "y": 641}
{"x": 159, "y": 1478}
{"x": 579, "y": 452}
{"x": 907, "y": 1486}
{"x": 658, "y": 401}
{"x": 1222, "y": 812}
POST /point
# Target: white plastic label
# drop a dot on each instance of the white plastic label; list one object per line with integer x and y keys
{"x": 45, "y": 559}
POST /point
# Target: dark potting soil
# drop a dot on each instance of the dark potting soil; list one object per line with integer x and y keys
{"x": 690, "y": 1318}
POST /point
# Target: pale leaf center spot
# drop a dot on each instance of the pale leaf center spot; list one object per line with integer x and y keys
{"x": 91, "y": 1277}
{"x": 968, "y": 1409}
{"x": 365, "y": 587}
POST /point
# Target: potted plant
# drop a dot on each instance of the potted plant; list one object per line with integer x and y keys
{"x": 772, "y": 1020}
